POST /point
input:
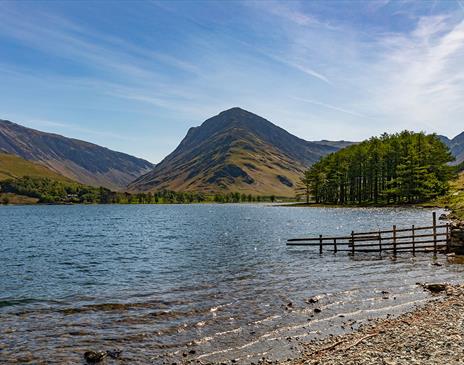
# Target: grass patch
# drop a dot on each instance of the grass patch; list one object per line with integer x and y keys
{"x": 10, "y": 198}
{"x": 13, "y": 167}
{"x": 454, "y": 201}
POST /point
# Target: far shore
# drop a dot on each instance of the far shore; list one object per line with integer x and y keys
{"x": 370, "y": 205}
{"x": 19, "y": 200}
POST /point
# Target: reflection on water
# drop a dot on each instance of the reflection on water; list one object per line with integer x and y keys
{"x": 167, "y": 283}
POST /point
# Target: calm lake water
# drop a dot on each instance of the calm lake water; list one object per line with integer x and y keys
{"x": 169, "y": 283}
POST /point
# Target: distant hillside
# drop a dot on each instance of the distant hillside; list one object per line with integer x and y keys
{"x": 81, "y": 161}
{"x": 13, "y": 167}
{"x": 456, "y": 145}
{"x": 336, "y": 144}
{"x": 236, "y": 151}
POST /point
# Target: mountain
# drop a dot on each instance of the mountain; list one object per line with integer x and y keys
{"x": 81, "y": 161}
{"x": 12, "y": 167}
{"x": 456, "y": 145}
{"x": 236, "y": 151}
{"x": 337, "y": 144}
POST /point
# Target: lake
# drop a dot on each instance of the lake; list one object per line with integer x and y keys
{"x": 167, "y": 283}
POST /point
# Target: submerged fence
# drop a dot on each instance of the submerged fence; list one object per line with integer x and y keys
{"x": 434, "y": 239}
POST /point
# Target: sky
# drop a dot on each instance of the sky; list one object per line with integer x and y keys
{"x": 135, "y": 76}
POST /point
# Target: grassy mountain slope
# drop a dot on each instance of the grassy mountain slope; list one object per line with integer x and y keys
{"x": 235, "y": 151}
{"x": 12, "y": 167}
{"x": 455, "y": 198}
{"x": 84, "y": 162}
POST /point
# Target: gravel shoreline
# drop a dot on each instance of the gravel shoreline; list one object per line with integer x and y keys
{"x": 432, "y": 334}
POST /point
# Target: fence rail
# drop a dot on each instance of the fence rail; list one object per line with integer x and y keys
{"x": 405, "y": 239}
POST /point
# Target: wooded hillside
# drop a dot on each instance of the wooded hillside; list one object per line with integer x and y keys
{"x": 405, "y": 167}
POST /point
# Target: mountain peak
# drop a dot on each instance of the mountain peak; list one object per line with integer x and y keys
{"x": 234, "y": 110}
{"x": 236, "y": 117}
{"x": 235, "y": 114}
{"x": 235, "y": 150}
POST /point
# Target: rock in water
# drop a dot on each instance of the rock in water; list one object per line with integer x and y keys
{"x": 93, "y": 357}
{"x": 313, "y": 300}
{"x": 443, "y": 217}
{"x": 435, "y": 288}
{"x": 114, "y": 354}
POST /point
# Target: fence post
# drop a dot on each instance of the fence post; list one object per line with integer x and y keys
{"x": 335, "y": 245}
{"x": 448, "y": 238}
{"x": 434, "y": 215}
{"x": 320, "y": 244}
{"x": 352, "y": 242}
{"x": 380, "y": 242}
{"x": 413, "y": 240}
{"x": 394, "y": 240}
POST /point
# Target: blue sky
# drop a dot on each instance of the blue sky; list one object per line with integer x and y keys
{"x": 134, "y": 76}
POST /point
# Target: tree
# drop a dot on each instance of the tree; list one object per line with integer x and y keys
{"x": 305, "y": 184}
{"x": 404, "y": 167}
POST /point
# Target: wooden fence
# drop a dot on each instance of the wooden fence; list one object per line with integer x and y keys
{"x": 434, "y": 238}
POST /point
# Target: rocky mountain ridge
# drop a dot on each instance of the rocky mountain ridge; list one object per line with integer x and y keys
{"x": 78, "y": 160}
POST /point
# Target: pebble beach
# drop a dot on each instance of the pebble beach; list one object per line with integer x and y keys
{"x": 431, "y": 334}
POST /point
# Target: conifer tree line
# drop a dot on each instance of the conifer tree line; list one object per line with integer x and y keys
{"x": 405, "y": 167}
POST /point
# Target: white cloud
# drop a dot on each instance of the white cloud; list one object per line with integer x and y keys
{"x": 420, "y": 80}
{"x": 315, "y": 76}
{"x": 402, "y": 79}
{"x": 331, "y": 107}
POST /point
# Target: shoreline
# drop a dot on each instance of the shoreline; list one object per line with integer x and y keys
{"x": 427, "y": 205}
{"x": 430, "y": 334}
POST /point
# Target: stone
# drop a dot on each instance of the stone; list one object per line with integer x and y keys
{"x": 312, "y": 300}
{"x": 94, "y": 357}
{"x": 435, "y": 288}
{"x": 114, "y": 354}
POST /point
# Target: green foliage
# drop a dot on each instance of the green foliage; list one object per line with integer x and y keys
{"x": 454, "y": 200}
{"x": 60, "y": 192}
{"x": 460, "y": 167}
{"x": 305, "y": 185}
{"x": 51, "y": 191}
{"x": 405, "y": 167}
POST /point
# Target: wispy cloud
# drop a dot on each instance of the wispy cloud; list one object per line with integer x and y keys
{"x": 421, "y": 78}
{"x": 406, "y": 78}
{"x": 67, "y": 40}
{"x": 329, "y": 106}
{"x": 461, "y": 5}
{"x": 309, "y": 66}
{"x": 375, "y": 5}
{"x": 297, "y": 25}
{"x": 69, "y": 127}
{"x": 284, "y": 10}
{"x": 301, "y": 67}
